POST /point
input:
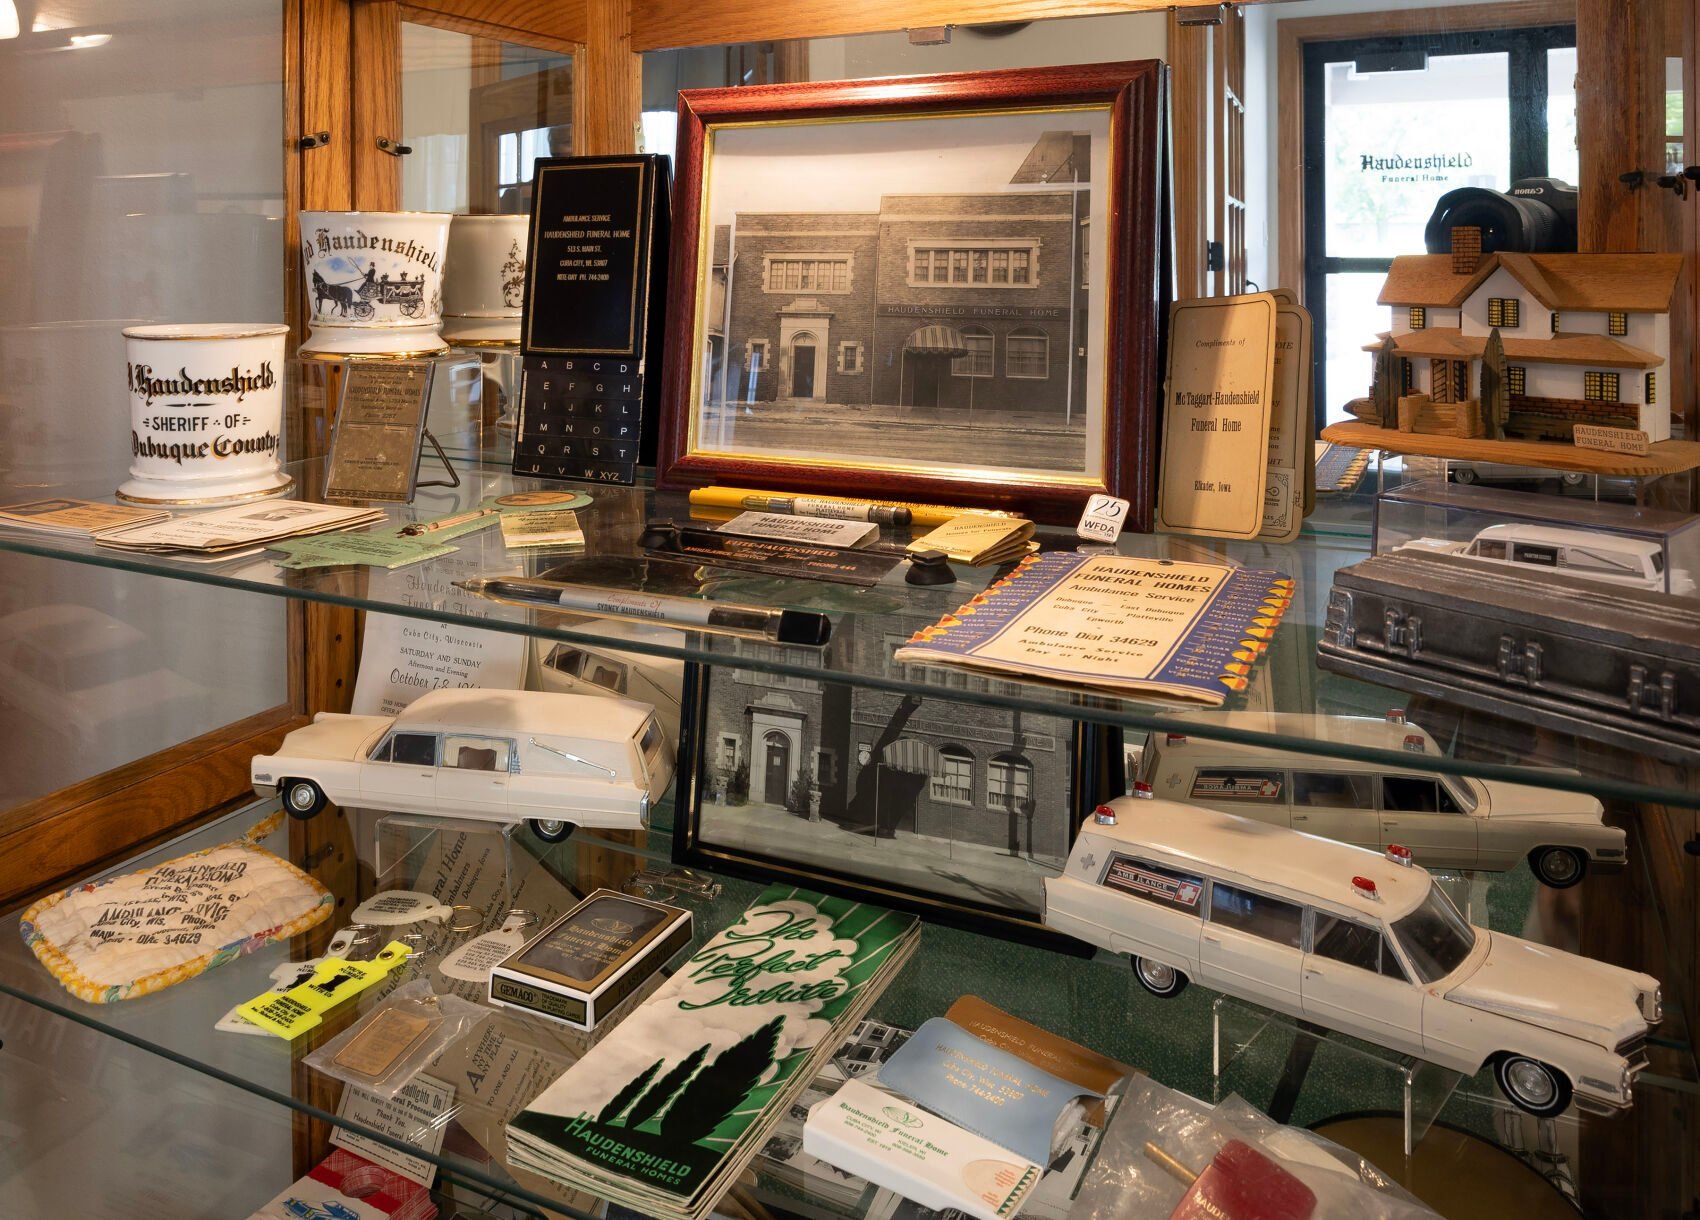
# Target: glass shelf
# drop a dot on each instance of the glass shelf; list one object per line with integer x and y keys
{"x": 868, "y": 622}
{"x": 1095, "y": 1001}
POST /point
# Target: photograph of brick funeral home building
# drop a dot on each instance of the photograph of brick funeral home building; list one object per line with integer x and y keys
{"x": 867, "y": 781}
{"x": 958, "y": 306}
{"x": 956, "y": 302}
{"x": 1523, "y": 345}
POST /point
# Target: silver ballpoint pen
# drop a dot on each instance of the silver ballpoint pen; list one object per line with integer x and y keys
{"x": 727, "y": 618}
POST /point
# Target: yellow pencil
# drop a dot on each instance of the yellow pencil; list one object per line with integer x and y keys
{"x": 740, "y": 498}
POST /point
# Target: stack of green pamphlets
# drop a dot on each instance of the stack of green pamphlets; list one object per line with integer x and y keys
{"x": 664, "y": 1113}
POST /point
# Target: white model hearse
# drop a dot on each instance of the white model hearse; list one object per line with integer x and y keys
{"x": 554, "y": 760}
{"x": 1358, "y": 942}
{"x": 606, "y": 669}
{"x": 1448, "y": 821}
{"x": 1586, "y": 554}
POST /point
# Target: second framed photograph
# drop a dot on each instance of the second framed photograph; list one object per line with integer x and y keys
{"x": 949, "y": 808}
{"x": 938, "y": 288}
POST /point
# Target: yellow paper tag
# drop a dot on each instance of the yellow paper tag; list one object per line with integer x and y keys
{"x": 291, "y": 1013}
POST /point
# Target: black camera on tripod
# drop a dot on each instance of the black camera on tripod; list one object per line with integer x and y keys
{"x": 1536, "y": 216}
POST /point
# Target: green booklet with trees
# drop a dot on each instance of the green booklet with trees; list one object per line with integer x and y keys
{"x": 666, "y": 1111}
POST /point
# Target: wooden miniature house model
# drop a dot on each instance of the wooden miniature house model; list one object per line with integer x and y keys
{"x": 1523, "y": 345}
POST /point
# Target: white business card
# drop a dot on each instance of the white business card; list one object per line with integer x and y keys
{"x": 418, "y": 1114}
{"x": 816, "y": 530}
{"x": 893, "y": 1143}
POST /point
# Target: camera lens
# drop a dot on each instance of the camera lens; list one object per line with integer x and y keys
{"x": 1522, "y": 220}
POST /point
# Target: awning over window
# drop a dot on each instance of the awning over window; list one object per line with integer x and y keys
{"x": 937, "y": 341}
{"x": 907, "y": 754}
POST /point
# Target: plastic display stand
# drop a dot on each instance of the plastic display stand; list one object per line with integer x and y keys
{"x": 1254, "y": 1051}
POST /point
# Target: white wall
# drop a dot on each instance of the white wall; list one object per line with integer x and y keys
{"x": 1078, "y": 40}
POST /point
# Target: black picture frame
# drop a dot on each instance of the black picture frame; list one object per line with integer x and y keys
{"x": 1080, "y": 749}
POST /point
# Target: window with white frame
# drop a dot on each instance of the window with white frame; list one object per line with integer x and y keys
{"x": 1027, "y": 353}
{"x": 1009, "y": 782}
{"x": 849, "y": 357}
{"x": 727, "y": 756}
{"x": 755, "y": 355}
{"x": 953, "y": 781}
{"x": 802, "y": 272}
{"x": 1005, "y": 263}
{"x": 977, "y": 360}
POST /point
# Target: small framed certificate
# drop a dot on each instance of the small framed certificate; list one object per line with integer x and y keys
{"x": 380, "y": 422}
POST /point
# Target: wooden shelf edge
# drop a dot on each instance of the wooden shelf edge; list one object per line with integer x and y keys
{"x": 77, "y": 838}
{"x": 1666, "y": 457}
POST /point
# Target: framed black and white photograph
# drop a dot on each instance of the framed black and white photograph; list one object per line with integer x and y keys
{"x": 924, "y": 802}
{"x": 935, "y": 287}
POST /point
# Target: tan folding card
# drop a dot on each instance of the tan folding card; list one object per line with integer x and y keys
{"x": 1289, "y": 428}
{"x": 1215, "y": 458}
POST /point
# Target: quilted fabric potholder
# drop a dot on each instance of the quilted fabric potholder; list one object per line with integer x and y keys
{"x": 139, "y": 933}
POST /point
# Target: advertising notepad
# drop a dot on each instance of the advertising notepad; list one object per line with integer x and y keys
{"x": 667, "y": 1109}
{"x": 1116, "y": 623}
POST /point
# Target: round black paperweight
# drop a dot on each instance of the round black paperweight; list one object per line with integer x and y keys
{"x": 930, "y": 568}
{"x": 658, "y": 535}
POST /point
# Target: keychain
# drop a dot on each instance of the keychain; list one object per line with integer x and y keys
{"x": 471, "y": 963}
{"x": 294, "y": 1012}
{"x": 394, "y": 907}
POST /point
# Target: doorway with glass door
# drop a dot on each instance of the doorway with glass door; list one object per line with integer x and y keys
{"x": 1391, "y": 124}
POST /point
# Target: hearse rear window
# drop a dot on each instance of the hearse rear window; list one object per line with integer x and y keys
{"x": 1166, "y": 887}
{"x": 1333, "y": 790}
{"x": 1259, "y": 914}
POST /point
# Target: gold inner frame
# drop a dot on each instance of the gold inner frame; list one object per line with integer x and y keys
{"x": 699, "y": 294}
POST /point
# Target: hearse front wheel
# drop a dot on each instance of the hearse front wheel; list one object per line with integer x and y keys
{"x": 303, "y": 798}
{"x": 1160, "y": 980}
{"x": 550, "y": 830}
{"x": 1559, "y": 867}
{"x": 1533, "y": 1086}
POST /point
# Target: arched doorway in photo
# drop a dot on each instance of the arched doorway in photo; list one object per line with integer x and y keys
{"x": 805, "y": 364}
{"x": 776, "y": 768}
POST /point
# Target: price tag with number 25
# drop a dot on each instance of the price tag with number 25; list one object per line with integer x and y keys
{"x": 1103, "y": 519}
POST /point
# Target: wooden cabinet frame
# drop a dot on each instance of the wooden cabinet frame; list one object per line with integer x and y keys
{"x": 341, "y": 75}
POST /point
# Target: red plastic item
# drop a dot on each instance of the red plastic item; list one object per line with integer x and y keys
{"x": 1243, "y": 1184}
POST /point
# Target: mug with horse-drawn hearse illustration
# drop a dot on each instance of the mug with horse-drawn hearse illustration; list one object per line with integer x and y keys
{"x": 374, "y": 282}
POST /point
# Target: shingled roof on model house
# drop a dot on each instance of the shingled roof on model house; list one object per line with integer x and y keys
{"x": 1621, "y": 283}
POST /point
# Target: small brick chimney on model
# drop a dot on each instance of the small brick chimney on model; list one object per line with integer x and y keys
{"x": 1466, "y": 249}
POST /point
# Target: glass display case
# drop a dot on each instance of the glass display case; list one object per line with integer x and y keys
{"x": 150, "y": 690}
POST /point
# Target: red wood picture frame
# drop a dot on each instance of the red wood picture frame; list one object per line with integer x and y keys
{"x": 1133, "y": 93}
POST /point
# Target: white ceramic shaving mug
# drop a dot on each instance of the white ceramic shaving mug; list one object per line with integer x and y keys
{"x": 206, "y": 412}
{"x": 374, "y": 282}
{"x": 484, "y": 280}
